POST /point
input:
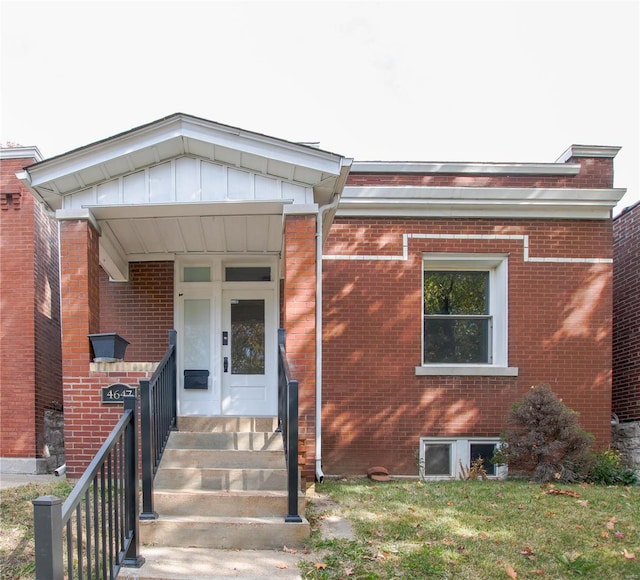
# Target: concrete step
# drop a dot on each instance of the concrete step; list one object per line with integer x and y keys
{"x": 247, "y": 441}
{"x": 193, "y": 478}
{"x": 226, "y": 458}
{"x": 224, "y": 503}
{"x": 172, "y": 563}
{"x": 255, "y": 533}
{"x": 227, "y": 424}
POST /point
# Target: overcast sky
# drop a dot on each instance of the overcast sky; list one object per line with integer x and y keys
{"x": 518, "y": 80}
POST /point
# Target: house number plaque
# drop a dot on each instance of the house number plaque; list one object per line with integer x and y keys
{"x": 116, "y": 393}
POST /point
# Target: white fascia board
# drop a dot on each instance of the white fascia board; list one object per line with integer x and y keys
{"x": 188, "y": 209}
{"x": 263, "y": 146}
{"x": 478, "y": 202}
{"x": 179, "y": 127}
{"x": 21, "y": 153}
{"x": 465, "y": 168}
{"x": 589, "y": 151}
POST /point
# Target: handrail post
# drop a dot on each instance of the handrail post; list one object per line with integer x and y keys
{"x": 148, "y": 451}
{"x": 292, "y": 453}
{"x": 173, "y": 341}
{"x": 47, "y": 516}
{"x": 132, "y": 556}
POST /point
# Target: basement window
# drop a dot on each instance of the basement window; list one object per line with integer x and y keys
{"x": 444, "y": 458}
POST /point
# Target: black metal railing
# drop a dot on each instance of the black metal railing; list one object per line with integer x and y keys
{"x": 288, "y": 425}
{"x": 158, "y": 416}
{"x": 95, "y": 531}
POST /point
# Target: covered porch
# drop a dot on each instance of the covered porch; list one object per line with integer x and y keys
{"x": 204, "y": 228}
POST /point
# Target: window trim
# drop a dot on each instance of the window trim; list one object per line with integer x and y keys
{"x": 460, "y": 452}
{"x": 497, "y": 266}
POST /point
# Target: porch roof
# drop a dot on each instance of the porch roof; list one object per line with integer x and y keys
{"x": 183, "y": 184}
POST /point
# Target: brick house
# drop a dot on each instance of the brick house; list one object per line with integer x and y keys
{"x": 30, "y": 367}
{"x": 626, "y": 333}
{"x": 419, "y": 299}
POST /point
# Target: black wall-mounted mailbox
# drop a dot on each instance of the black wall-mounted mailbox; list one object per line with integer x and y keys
{"x": 196, "y": 379}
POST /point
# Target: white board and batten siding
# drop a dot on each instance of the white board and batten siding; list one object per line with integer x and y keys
{"x": 188, "y": 179}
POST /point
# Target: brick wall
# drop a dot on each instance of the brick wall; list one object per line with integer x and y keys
{"x": 626, "y": 315}
{"x": 299, "y": 313}
{"x": 140, "y": 310}
{"x": 17, "y": 349}
{"x": 376, "y": 408}
{"x": 30, "y": 373}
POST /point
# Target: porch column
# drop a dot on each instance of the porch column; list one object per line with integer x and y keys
{"x": 299, "y": 312}
{"x": 80, "y": 291}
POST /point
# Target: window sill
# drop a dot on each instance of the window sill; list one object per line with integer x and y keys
{"x": 467, "y": 371}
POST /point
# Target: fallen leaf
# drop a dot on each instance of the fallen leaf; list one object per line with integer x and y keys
{"x": 511, "y": 572}
{"x": 348, "y": 571}
{"x": 526, "y": 551}
{"x": 604, "y": 534}
{"x": 610, "y": 525}
{"x": 619, "y": 535}
{"x": 320, "y": 565}
{"x": 629, "y": 555}
{"x": 538, "y": 572}
{"x": 562, "y": 492}
{"x": 584, "y": 502}
{"x": 579, "y": 527}
{"x": 282, "y": 565}
{"x": 483, "y": 536}
{"x": 449, "y": 503}
{"x": 289, "y": 550}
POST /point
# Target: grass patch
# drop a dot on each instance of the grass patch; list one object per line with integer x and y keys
{"x": 17, "y": 551}
{"x": 478, "y": 530}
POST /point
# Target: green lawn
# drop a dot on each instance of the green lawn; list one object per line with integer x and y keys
{"x": 478, "y": 529}
{"x": 17, "y": 555}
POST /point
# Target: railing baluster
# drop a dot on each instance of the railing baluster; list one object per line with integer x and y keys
{"x": 288, "y": 425}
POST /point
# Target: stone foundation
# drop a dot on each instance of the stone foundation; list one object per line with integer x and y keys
{"x": 626, "y": 438}
{"x": 53, "y": 451}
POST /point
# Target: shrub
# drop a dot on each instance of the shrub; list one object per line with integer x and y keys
{"x": 608, "y": 468}
{"x": 544, "y": 439}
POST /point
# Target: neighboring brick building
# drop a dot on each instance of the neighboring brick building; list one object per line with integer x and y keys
{"x": 447, "y": 289}
{"x": 30, "y": 368}
{"x": 626, "y": 332}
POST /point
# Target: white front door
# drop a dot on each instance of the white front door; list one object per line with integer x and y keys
{"x": 227, "y": 319}
{"x": 249, "y": 353}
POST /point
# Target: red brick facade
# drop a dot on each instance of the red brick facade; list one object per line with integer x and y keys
{"x": 559, "y": 333}
{"x": 30, "y": 373}
{"x": 140, "y": 310}
{"x": 626, "y": 315}
{"x": 299, "y": 321}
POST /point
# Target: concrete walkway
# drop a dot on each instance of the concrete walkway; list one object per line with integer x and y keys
{"x": 8, "y": 480}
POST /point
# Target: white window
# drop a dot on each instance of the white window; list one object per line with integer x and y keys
{"x": 464, "y": 318}
{"x": 444, "y": 458}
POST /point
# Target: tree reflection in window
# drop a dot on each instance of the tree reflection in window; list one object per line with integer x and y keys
{"x": 457, "y": 324}
{"x": 247, "y": 337}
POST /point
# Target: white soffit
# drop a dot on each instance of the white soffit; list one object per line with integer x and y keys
{"x": 419, "y": 201}
{"x": 159, "y": 232}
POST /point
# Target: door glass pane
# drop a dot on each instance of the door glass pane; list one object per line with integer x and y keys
{"x": 197, "y": 334}
{"x": 247, "y": 337}
{"x": 437, "y": 459}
